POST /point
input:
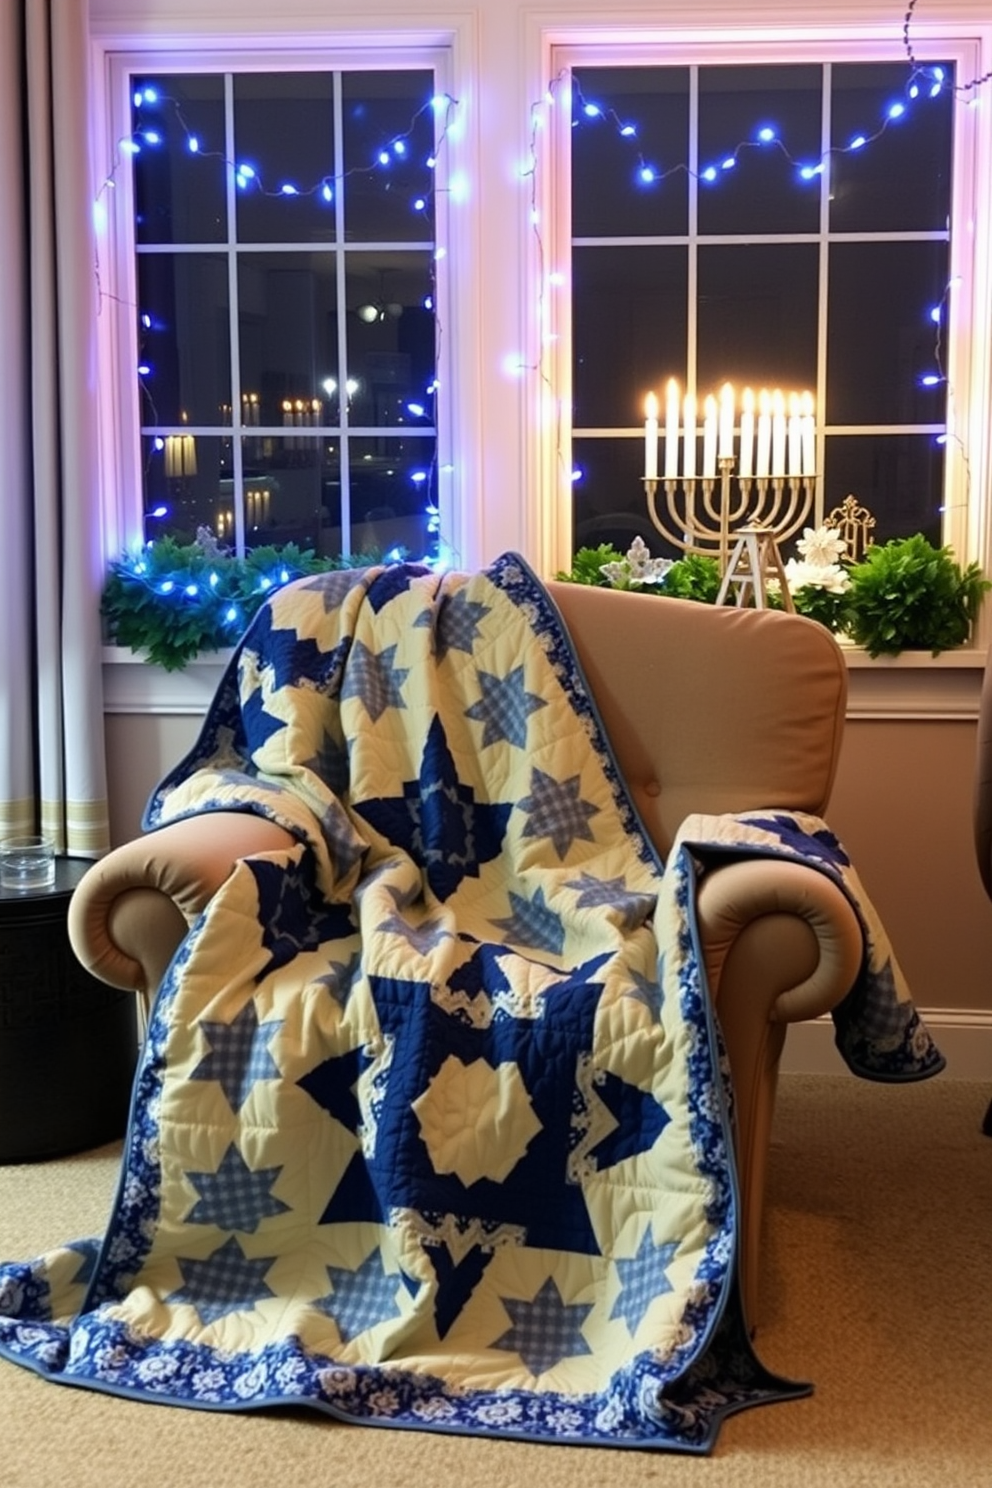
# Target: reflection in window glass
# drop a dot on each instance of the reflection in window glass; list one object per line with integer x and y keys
{"x": 615, "y": 188}
{"x": 184, "y": 338}
{"x": 880, "y": 333}
{"x": 265, "y": 362}
{"x": 629, "y": 327}
{"x": 179, "y": 169}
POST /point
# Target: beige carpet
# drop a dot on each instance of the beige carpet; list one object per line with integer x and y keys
{"x": 877, "y": 1285}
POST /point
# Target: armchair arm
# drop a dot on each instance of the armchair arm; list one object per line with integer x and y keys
{"x": 131, "y": 910}
{"x": 781, "y": 942}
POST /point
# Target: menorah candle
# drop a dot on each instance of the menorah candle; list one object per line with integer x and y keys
{"x": 778, "y": 434}
{"x": 650, "y": 437}
{"x": 689, "y": 437}
{"x": 709, "y": 438}
{"x": 808, "y": 435}
{"x": 763, "y": 457}
{"x": 795, "y": 436}
{"x": 725, "y": 448}
{"x": 747, "y": 435}
{"x": 672, "y": 430}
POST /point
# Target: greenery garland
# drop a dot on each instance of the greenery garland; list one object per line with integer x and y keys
{"x": 174, "y": 601}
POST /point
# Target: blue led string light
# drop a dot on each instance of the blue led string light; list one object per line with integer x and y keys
{"x": 924, "y": 82}
{"x": 648, "y": 174}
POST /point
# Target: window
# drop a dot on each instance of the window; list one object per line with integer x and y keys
{"x": 777, "y": 225}
{"x": 284, "y": 242}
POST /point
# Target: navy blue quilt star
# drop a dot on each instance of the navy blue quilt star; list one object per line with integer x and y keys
{"x": 239, "y": 1054}
{"x": 640, "y": 1120}
{"x": 395, "y": 580}
{"x": 259, "y": 725}
{"x": 643, "y": 1278}
{"x": 372, "y": 677}
{"x": 536, "y": 1194}
{"x": 361, "y": 1298}
{"x": 292, "y": 658}
{"x": 822, "y": 843}
{"x": 545, "y": 1330}
{"x": 555, "y": 809}
{"x": 504, "y": 708}
{"x": 227, "y": 1281}
{"x": 333, "y": 1083}
{"x": 438, "y": 821}
{"x": 236, "y": 1197}
{"x": 291, "y": 911}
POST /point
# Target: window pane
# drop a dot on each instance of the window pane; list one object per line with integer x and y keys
{"x": 392, "y": 484}
{"x": 292, "y": 493}
{"x": 287, "y": 331}
{"x": 390, "y": 337}
{"x": 609, "y": 197}
{"x": 179, "y": 190}
{"x": 881, "y": 340}
{"x": 388, "y": 147}
{"x": 901, "y": 183}
{"x": 758, "y": 315}
{"x": 629, "y": 329}
{"x": 186, "y": 344}
{"x": 898, "y": 477}
{"x": 763, "y": 192}
{"x": 284, "y": 130}
{"x": 608, "y": 502}
{"x": 184, "y": 478}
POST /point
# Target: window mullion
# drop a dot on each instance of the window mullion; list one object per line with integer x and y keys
{"x": 231, "y": 248}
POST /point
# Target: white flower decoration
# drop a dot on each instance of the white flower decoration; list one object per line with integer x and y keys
{"x": 821, "y": 546}
{"x": 637, "y": 567}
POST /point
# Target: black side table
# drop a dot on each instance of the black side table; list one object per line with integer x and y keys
{"x": 68, "y": 1043}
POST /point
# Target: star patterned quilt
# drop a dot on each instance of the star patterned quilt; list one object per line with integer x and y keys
{"x": 431, "y": 1127}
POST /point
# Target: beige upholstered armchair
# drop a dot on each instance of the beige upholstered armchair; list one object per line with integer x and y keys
{"x": 708, "y": 710}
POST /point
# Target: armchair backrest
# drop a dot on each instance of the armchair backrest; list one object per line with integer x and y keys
{"x": 710, "y": 708}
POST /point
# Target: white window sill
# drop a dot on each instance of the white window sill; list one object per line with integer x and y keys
{"x": 912, "y": 685}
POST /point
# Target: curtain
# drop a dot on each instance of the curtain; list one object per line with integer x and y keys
{"x": 52, "y": 767}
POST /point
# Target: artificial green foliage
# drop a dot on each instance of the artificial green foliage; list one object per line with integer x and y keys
{"x": 175, "y": 600}
{"x": 905, "y": 594}
{"x": 908, "y": 595}
{"x": 587, "y": 566}
{"x": 823, "y": 605}
{"x": 696, "y": 576}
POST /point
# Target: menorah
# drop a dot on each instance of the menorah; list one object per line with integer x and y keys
{"x": 755, "y": 499}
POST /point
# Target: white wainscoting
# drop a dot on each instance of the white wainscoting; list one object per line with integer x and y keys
{"x": 963, "y": 1036}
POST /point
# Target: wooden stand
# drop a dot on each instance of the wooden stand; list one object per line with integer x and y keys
{"x": 754, "y": 560}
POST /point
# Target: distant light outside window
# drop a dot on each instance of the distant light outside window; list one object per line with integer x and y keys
{"x": 725, "y": 260}
{"x": 285, "y": 241}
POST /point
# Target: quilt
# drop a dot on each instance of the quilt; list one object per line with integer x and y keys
{"x": 432, "y": 1126}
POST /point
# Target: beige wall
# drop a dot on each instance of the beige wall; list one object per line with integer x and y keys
{"x": 901, "y": 807}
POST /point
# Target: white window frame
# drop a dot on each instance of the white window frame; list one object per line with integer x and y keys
{"x": 119, "y": 416}
{"x": 968, "y": 522}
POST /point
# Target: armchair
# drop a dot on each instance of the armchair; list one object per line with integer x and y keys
{"x": 761, "y": 706}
